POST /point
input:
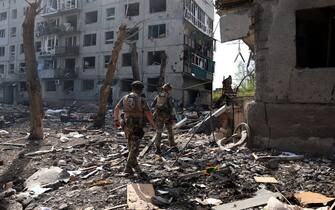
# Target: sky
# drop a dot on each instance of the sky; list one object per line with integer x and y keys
{"x": 224, "y": 57}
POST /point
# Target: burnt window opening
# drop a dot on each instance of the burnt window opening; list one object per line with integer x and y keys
{"x": 50, "y": 86}
{"x": 155, "y": 57}
{"x": 126, "y": 59}
{"x": 126, "y": 85}
{"x": 315, "y": 43}
{"x": 89, "y": 62}
{"x": 68, "y": 85}
{"x": 87, "y": 84}
{"x": 91, "y": 17}
{"x": 153, "y": 84}
{"x": 157, "y": 6}
{"x": 132, "y": 9}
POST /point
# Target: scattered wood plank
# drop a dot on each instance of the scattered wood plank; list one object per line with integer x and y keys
{"x": 261, "y": 198}
{"x": 41, "y": 152}
{"x": 309, "y": 198}
{"x": 145, "y": 150}
{"x": 139, "y": 196}
{"x": 12, "y": 144}
{"x": 280, "y": 157}
{"x": 117, "y": 207}
{"x": 266, "y": 179}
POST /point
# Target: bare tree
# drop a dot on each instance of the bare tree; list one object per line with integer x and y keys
{"x": 162, "y": 70}
{"x": 134, "y": 61}
{"x": 33, "y": 82}
{"x": 106, "y": 87}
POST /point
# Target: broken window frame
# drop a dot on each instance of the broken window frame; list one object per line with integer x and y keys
{"x": 2, "y": 51}
{"x": 89, "y": 62}
{"x": 3, "y": 16}
{"x": 12, "y": 50}
{"x": 93, "y": 19}
{"x": 11, "y": 69}
{"x": 2, "y": 68}
{"x": 2, "y": 33}
{"x": 13, "y": 32}
{"x": 109, "y": 37}
{"x": 90, "y": 40}
{"x": 154, "y": 6}
{"x": 126, "y": 59}
{"x": 153, "y": 84}
{"x": 22, "y": 67}
{"x": 110, "y": 13}
{"x": 23, "y": 86}
{"x": 50, "y": 86}
{"x": 155, "y": 58}
{"x": 132, "y": 9}
{"x": 68, "y": 85}
{"x": 315, "y": 45}
{"x": 107, "y": 60}
{"x": 14, "y": 14}
{"x": 157, "y": 31}
{"x": 87, "y": 85}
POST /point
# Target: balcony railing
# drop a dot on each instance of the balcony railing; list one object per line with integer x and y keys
{"x": 44, "y": 29}
{"x": 197, "y": 23}
{"x": 62, "y": 6}
{"x": 67, "y": 73}
{"x": 67, "y": 51}
{"x": 200, "y": 73}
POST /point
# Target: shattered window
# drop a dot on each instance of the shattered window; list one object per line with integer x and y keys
{"x": 2, "y": 51}
{"x": 2, "y": 33}
{"x": 133, "y": 34}
{"x": 110, "y": 13}
{"x": 153, "y": 84}
{"x": 132, "y": 9}
{"x": 11, "y": 68}
{"x": 91, "y": 17}
{"x": 13, "y": 32}
{"x": 157, "y": 6}
{"x": 23, "y": 86}
{"x": 155, "y": 57}
{"x": 90, "y": 40}
{"x": 89, "y": 62}
{"x": 38, "y": 46}
{"x": 107, "y": 60}
{"x": 88, "y": 84}
{"x": 50, "y": 86}
{"x": 68, "y": 85}
{"x": 109, "y": 37}
{"x": 315, "y": 43}
{"x": 2, "y": 68}
{"x": 3, "y": 16}
{"x": 22, "y": 67}
{"x": 126, "y": 85}
{"x": 157, "y": 31}
{"x": 126, "y": 59}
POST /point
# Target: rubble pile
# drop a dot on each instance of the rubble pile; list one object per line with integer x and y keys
{"x": 76, "y": 168}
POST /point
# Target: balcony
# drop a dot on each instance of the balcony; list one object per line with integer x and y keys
{"x": 67, "y": 73}
{"x": 197, "y": 23}
{"x": 60, "y": 7}
{"x": 44, "y": 29}
{"x": 67, "y": 51}
{"x": 46, "y": 73}
{"x": 200, "y": 73}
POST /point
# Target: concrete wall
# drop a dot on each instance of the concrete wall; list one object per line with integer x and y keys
{"x": 294, "y": 108}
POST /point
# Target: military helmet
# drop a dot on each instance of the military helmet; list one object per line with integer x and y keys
{"x": 167, "y": 86}
{"x": 137, "y": 84}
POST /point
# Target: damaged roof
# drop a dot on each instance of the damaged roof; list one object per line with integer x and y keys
{"x": 230, "y": 4}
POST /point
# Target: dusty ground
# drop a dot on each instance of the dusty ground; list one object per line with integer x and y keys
{"x": 105, "y": 148}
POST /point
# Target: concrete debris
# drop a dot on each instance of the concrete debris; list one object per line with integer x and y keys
{"x": 275, "y": 204}
{"x": 4, "y": 134}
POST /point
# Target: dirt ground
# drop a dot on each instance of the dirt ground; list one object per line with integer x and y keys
{"x": 103, "y": 152}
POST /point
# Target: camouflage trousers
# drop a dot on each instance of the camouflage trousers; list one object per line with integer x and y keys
{"x": 134, "y": 136}
{"x": 160, "y": 123}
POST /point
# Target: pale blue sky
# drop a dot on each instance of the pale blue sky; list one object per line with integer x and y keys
{"x": 224, "y": 57}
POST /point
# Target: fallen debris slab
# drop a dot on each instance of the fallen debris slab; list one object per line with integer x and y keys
{"x": 139, "y": 196}
{"x": 261, "y": 198}
{"x": 308, "y": 198}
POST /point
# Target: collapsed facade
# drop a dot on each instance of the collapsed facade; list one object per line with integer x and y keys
{"x": 74, "y": 40}
{"x": 294, "y": 45}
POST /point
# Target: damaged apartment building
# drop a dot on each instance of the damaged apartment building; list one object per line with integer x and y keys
{"x": 294, "y": 45}
{"x": 75, "y": 38}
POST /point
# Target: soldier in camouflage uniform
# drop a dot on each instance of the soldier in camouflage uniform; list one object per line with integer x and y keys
{"x": 135, "y": 110}
{"x": 164, "y": 115}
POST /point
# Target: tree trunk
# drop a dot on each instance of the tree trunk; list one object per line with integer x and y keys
{"x": 106, "y": 87}
{"x": 162, "y": 71}
{"x": 33, "y": 82}
{"x": 134, "y": 61}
